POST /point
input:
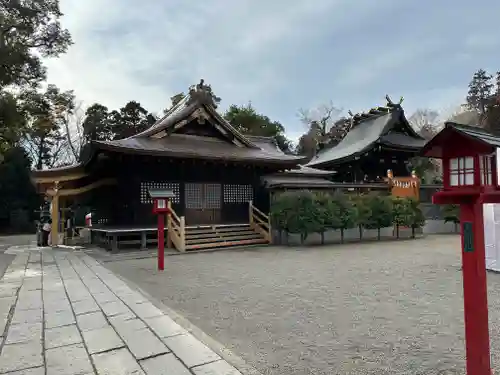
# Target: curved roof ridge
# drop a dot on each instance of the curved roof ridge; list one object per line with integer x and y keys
{"x": 198, "y": 96}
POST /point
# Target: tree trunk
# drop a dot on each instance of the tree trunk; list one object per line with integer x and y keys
{"x": 378, "y": 234}
{"x": 70, "y": 141}
{"x": 322, "y": 234}
{"x": 360, "y": 227}
{"x": 341, "y": 235}
{"x": 397, "y": 230}
{"x": 412, "y": 231}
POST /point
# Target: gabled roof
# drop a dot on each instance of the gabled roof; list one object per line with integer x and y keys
{"x": 434, "y": 148}
{"x": 376, "y": 127}
{"x": 199, "y": 106}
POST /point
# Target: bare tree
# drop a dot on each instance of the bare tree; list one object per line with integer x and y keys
{"x": 320, "y": 123}
{"x": 425, "y": 122}
{"x": 464, "y": 115}
{"x": 73, "y": 128}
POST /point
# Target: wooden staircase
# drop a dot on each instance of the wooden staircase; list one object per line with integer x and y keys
{"x": 217, "y": 236}
{"x": 222, "y": 236}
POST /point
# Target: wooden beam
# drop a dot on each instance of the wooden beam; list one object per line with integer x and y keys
{"x": 60, "y": 178}
{"x": 83, "y": 189}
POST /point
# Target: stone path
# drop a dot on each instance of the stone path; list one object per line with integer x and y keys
{"x": 63, "y": 313}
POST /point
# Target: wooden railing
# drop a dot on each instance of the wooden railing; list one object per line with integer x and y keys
{"x": 260, "y": 222}
{"x": 176, "y": 230}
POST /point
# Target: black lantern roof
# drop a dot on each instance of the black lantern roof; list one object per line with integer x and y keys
{"x": 161, "y": 193}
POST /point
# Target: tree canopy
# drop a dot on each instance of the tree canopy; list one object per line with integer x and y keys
{"x": 29, "y": 30}
{"x": 483, "y": 98}
{"x": 101, "y": 124}
{"x": 248, "y": 121}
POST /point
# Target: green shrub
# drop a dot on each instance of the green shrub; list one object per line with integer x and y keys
{"x": 381, "y": 212}
{"x": 296, "y": 212}
{"x": 400, "y": 213}
{"x": 327, "y": 215}
{"x": 363, "y": 212}
{"x": 451, "y": 214}
{"x": 304, "y": 212}
{"x": 345, "y": 211}
{"x": 416, "y": 218}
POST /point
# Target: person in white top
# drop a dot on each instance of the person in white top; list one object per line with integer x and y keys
{"x": 45, "y": 232}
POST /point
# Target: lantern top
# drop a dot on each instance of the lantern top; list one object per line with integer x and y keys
{"x": 457, "y": 139}
{"x": 161, "y": 193}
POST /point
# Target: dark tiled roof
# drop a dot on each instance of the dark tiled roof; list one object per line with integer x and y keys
{"x": 434, "y": 148}
{"x": 283, "y": 181}
{"x": 189, "y": 146}
{"x": 308, "y": 171}
{"x": 475, "y": 132}
{"x": 368, "y": 130}
{"x": 402, "y": 140}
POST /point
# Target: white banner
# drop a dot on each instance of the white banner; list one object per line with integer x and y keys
{"x": 492, "y": 236}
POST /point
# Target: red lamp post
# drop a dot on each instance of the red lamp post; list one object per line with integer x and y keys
{"x": 469, "y": 157}
{"x": 161, "y": 208}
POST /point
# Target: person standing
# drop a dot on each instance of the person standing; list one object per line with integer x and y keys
{"x": 46, "y": 232}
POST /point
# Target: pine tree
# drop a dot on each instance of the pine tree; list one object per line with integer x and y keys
{"x": 480, "y": 92}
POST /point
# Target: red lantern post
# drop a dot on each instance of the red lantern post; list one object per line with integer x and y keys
{"x": 469, "y": 157}
{"x": 160, "y": 199}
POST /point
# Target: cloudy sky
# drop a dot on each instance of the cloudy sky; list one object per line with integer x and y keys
{"x": 282, "y": 55}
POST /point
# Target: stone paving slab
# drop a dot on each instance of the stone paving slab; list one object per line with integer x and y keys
{"x": 63, "y": 313}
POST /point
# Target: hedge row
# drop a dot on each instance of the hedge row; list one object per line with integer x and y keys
{"x": 306, "y": 212}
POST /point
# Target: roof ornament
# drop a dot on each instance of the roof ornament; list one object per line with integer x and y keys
{"x": 202, "y": 94}
{"x": 390, "y": 103}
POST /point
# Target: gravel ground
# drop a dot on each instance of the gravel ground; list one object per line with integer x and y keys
{"x": 373, "y": 308}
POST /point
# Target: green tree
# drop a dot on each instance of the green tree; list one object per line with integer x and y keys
{"x": 328, "y": 214}
{"x": 29, "y": 30}
{"x": 46, "y": 113}
{"x": 480, "y": 92}
{"x": 416, "y": 218}
{"x": 131, "y": 119}
{"x": 17, "y": 193}
{"x": 174, "y": 100}
{"x": 363, "y": 212}
{"x": 96, "y": 124}
{"x": 451, "y": 214}
{"x": 400, "y": 213}
{"x": 381, "y": 212}
{"x": 248, "y": 121}
{"x": 296, "y": 212}
{"x": 345, "y": 210}
{"x": 12, "y": 121}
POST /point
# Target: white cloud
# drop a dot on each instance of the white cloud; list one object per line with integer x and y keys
{"x": 124, "y": 51}
{"x": 149, "y": 50}
{"x": 148, "y": 53}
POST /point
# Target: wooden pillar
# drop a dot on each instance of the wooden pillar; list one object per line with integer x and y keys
{"x": 54, "y": 233}
{"x": 169, "y": 226}
{"x": 250, "y": 212}
{"x": 477, "y": 340}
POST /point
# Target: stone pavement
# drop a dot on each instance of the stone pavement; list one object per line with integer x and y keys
{"x": 62, "y": 313}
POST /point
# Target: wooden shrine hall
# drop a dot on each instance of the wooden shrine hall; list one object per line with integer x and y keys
{"x": 221, "y": 180}
{"x": 379, "y": 140}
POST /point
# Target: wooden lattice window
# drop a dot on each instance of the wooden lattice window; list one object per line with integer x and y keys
{"x": 203, "y": 196}
{"x": 462, "y": 171}
{"x": 145, "y": 186}
{"x": 212, "y": 196}
{"x": 194, "y": 196}
{"x": 485, "y": 164}
{"x": 238, "y": 193}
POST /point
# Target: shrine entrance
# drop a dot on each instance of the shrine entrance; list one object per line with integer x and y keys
{"x": 203, "y": 203}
